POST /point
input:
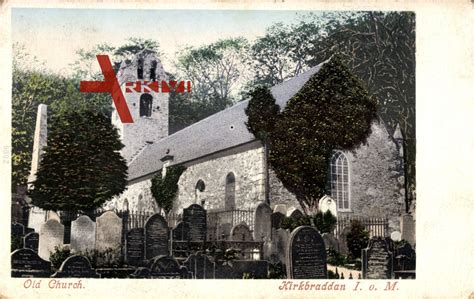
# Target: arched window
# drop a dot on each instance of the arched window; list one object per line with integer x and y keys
{"x": 339, "y": 181}
{"x": 146, "y": 101}
{"x": 153, "y": 71}
{"x": 140, "y": 69}
{"x": 230, "y": 192}
{"x": 200, "y": 187}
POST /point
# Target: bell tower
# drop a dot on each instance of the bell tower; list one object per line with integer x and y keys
{"x": 149, "y": 109}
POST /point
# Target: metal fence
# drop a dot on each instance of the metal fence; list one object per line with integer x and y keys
{"x": 377, "y": 227}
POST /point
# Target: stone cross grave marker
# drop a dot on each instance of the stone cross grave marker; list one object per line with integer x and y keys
{"x": 83, "y": 231}
{"x": 108, "y": 231}
{"x": 76, "y": 266}
{"x": 31, "y": 241}
{"x": 135, "y": 246}
{"x": 156, "y": 236}
{"x": 241, "y": 232}
{"x": 195, "y": 215}
{"x": 263, "y": 222}
{"x": 306, "y": 254}
{"x": 27, "y": 263}
{"x": 377, "y": 260}
{"x": 182, "y": 232}
{"x": 51, "y": 235}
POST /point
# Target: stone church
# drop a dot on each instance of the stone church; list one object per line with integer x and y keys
{"x": 225, "y": 163}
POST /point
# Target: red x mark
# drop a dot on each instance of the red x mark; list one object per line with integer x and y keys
{"x": 110, "y": 85}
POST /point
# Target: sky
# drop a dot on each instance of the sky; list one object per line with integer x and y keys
{"x": 54, "y": 35}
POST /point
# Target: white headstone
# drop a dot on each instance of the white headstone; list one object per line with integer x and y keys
{"x": 326, "y": 203}
{"x": 36, "y": 218}
{"x": 263, "y": 222}
{"x": 51, "y": 235}
{"x": 82, "y": 234}
{"x": 108, "y": 231}
{"x": 280, "y": 208}
{"x": 52, "y": 215}
{"x": 396, "y": 236}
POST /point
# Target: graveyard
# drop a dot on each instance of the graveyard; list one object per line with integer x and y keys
{"x": 113, "y": 245}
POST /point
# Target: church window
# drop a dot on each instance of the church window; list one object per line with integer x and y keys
{"x": 230, "y": 192}
{"x": 153, "y": 71}
{"x": 140, "y": 69}
{"x": 146, "y": 101}
{"x": 339, "y": 181}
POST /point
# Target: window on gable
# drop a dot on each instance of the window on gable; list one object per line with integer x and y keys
{"x": 153, "y": 71}
{"x": 339, "y": 181}
{"x": 146, "y": 102}
{"x": 230, "y": 192}
{"x": 140, "y": 69}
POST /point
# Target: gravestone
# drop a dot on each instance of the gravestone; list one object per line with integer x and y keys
{"x": 330, "y": 241}
{"x": 51, "y": 235}
{"x": 76, "y": 266}
{"x": 326, "y": 203}
{"x": 36, "y": 218}
{"x": 18, "y": 229}
{"x": 82, "y": 234}
{"x": 31, "y": 241}
{"x": 282, "y": 237}
{"x": 201, "y": 266}
{"x": 295, "y": 214}
{"x": 167, "y": 267}
{"x": 377, "y": 260}
{"x": 54, "y": 216}
{"x": 181, "y": 232}
{"x": 408, "y": 229}
{"x": 108, "y": 231}
{"x": 156, "y": 236}
{"x": 223, "y": 231}
{"x": 406, "y": 257}
{"x": 306, "y": 254}
{"x": 195, "y": 215}
{"x": 135, "y": 246}
{"x": 342, "y": 240}
{"x": 241, "y": 232}
{"x": 396, "y": 236}
{"x": 263, "y": 222}
{"x": 27, "y": 263}
{"x": 280, "y": 208}
{"x": 277, "y": 219}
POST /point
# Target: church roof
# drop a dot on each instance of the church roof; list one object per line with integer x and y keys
{"x": 218, "y": 132}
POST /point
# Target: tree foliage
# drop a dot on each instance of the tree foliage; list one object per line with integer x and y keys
{"x": 262, "y": 113}
{"x": 164, "y": 190}
{"x": 357, "y": 239}
{"x": 333, "y": 110}
{"x": 81, "y": 167}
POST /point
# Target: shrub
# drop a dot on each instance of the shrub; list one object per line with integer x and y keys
{"x": 59, "y": 255}
{"x": 276, "y": 270}
{"x": 324, "y": 222}
{"x": 357, "y": 239}
{"x": 335, "y": 258}
{"x": 110, "y": 257}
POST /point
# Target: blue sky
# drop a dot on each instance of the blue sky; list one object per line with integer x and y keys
{"x": 54, "y": 35}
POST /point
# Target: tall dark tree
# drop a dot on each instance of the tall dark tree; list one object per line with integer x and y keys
{"x": 332, "y": 111}
{"x": 81, "y": 167}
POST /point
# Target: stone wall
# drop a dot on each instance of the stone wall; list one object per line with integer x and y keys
{"x": 280, "y": 195}
{"x": 247, "y": 167}
{"x": 138, "y": 196}
{"x": 376, "y": 178}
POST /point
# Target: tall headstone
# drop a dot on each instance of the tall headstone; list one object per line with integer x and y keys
{"x": 277, "y": 219}
{"x": 156, "y": 237}
{"x": 181, "y": 232}
{"x": 408, "y": 229}
{"x": 27, "y": 263}
{"x": 39, "y": 141}
{"x": 195, "y": 215}
{"x": 263, "y": 222}
{"x": 135, "y": 246}
{"x": 31, "y": 241}
{"x": 36, "y": 218}
{"x": 281, "y": 239}
{"x": 405, "y": 257}
{"x": 51, "y": 235}
{"x": 241, "y": 232}
{"x": 76, "y": 266}
{"x": 377, "y": 260}
{"x": 52, "y": 215}
{"x": 108, "y": 231}
{"x": 82, "y": 234}
{"x": 306, "y": 254}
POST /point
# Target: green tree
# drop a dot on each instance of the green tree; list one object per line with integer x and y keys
{"x": 333, "y": 110}
{"x": 164, "y": 189}
{"x": 357, "y": 239}
{"x": 81, "y": 167}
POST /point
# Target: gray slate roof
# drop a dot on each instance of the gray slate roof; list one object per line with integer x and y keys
{"x": 220, "y": 131}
